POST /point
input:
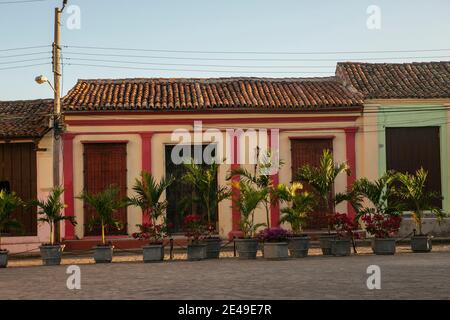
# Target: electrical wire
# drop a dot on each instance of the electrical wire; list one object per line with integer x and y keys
{"x": 195, "y": 65}
{"x": 240, "y": 59}
{"x": 27, "y": 60}
{"x": 25, "y": 66}
{"x": 24, "y": 48}
{"x": 195, "y": 70}
{"x": 252, "y": 52}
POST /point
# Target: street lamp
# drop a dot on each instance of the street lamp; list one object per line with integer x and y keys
{"x": 43, "y": 79}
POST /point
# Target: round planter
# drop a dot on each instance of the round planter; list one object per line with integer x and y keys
{"x": 51, "y": 255}
{"x": 153, "y": 253}
{"x": 3, "y": 258}
{"x": 246, "y": 248}
{"x": 103, "y": 254}
{"x": 385, "y": 246}
{"x": 325, "y": 244}
{"x": 276, "y": 250}
{"x": 213, "y": 248}
{"x": 196, "y": 252}
{"x": 340, "y": 247}
{"x": 298, "y": 246}
{"x": 421, "y": 243}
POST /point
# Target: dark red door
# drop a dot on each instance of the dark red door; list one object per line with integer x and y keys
{"x": 309, "y": 151}
{"x": 18, "y": 174}
{"x": 105, "y": 164}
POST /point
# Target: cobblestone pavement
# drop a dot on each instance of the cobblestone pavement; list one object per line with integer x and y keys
{"x": 403, "y": 276}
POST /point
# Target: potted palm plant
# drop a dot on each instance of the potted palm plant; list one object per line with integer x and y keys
{"x": 322, "y": 179}
{"x": 209, "y": 195}
{"x": 9, "y": 202}
{"x": 250, "y": 197}
{"x": 148, "y": 198}
{"x": 299, "y": 205}
{"x": 275, "y": 242}
{"x": 105, "y": 203}
{"x": 382, "y": 216}
{"x": 51, "y": 213}
{"x": 412, "y": 191}
{"x": 195, "y": 231}
{"x": 261, "y": 179}
{"x": 345, "y": 227}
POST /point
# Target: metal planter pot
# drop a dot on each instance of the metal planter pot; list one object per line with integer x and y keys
{"x": 3, "y": 259}
{"x": 153, "y": 253}
{"x": 51, "y": 255}
{"x": 246, "y": 248}
{"x": 325, "y": 243}
{"x": 341, "y": 247}
{"x": 103, "y": 254}
{"x": 213, "y": 248}
{"x": 298, "y": 247}
{"x": 385, "y": 246}
{"x": 276, "y": 250}
{"x": 196, "y": 252}
{"x": 421, "y": 244}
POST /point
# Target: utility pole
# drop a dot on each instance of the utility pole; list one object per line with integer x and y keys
{"x": 57, "y": 119}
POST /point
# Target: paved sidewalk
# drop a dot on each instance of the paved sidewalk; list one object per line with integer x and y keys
{"x": 403, "y": 276}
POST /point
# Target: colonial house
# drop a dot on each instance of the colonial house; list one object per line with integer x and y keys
{"x": 118, "y": 128}
{"x": 405, "y": 123}
{"x": 26, "y": 165}
{"x": 375, "y": 117}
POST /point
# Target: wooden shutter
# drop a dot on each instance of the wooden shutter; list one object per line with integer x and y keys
{"x": 105, "y": 164}
{"x": 309, "y": 151}
{"x": 18, "y": 171}
{"x": 408, "y": 149}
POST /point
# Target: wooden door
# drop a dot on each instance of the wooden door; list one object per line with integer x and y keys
{"x": 408, "y": 149}
{"x": 105, "y": 164}
{"x": 309, "y": 151}
{"x": 18, "y": 174}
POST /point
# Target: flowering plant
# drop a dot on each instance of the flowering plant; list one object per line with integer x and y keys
{"x": 155, "y": 233}
{"x": 381, "y": 226}
{"x": 343, "y": 225}
{"x": 194, "y": 228}
{"x": 273, "y": 235}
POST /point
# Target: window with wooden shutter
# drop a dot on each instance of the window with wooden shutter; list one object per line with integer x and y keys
{"x": 408, "y": 149}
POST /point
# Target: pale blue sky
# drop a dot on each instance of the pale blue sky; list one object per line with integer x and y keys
{"x": 213, "y": 25}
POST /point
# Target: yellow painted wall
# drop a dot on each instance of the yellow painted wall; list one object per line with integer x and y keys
{"x": 160, "y": 138}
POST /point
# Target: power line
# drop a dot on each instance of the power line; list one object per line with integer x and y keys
{"x": 196, "y": 65}
{"x": 25, "y": 54}
{"x": 253, "y": 52}
{"x": 24, "y": 48}
{"x": 25, "y": 66}
{"x": 195, "y": 70}
{"x": 27, "y": 60}
{"x": 244, "y": 59}
{"x": 20, "y": 1}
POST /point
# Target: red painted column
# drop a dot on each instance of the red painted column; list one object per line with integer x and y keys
{"x": 350, "y": 134}
{"x": 235, "y": 213}
{"x": 146, "y": 158}
{"x": 146, "y": 152}
{"x": 69, "y": 210}
{"x": 275, "y": 207}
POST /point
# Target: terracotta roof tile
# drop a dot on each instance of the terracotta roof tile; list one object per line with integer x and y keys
{"x": 423, "y": 80}
{"x": 24, "y": 119}
{"x": 213, "y": 93}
